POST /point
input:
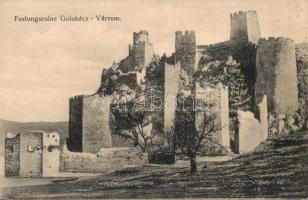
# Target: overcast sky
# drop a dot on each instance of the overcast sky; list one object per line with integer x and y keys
{"x": 43, "y": 64}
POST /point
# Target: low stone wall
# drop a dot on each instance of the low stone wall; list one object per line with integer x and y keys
{"x": 105, "y": 160}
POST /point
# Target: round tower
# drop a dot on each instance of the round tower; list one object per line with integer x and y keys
{"x": 276, "y": 74}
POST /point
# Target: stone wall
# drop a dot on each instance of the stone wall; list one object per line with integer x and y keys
{"x": 12, "y": 155}
{"x": 105, "y": 160}
{"x": 218, "y": 51}
{"x": 275, "y": 64}
{"x": 213, "y": 101}
{"x": 51, "y": 154}
{"x": 248, "y": 136}
{"x": 33, "y": 154}
{"x": 251, "y": 131}
{"x": 172, "y": 83}
{"x": 96, "y": 132}
{"x": 31, "y": 150}
{"x": 89, "y": 128}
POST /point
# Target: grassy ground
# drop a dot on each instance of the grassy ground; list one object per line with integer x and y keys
{"x": 278, "y": 168}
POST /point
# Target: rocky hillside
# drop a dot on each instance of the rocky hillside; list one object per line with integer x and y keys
{"x": 278, "y": 168}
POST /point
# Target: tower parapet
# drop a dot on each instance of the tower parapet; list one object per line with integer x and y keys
{"x": 276, "y": 64}
{"x": 141, "y": 36}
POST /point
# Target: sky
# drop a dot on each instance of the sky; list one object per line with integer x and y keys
{"x": 43, "y": 64}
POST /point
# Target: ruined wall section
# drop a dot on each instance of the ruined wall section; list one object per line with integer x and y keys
{"x": 31, "y": 150}
{"x": 276, "y": 63}
{"x": 185, "y": 50}
{"x": 213, "y": 101}
{"x": 51, "y": 154}
{"x": 12, "y": 155}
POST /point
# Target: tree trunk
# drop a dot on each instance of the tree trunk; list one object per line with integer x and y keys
{"x": 193, "y": 164}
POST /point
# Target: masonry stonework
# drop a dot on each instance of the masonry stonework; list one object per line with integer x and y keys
{"x": 213, "y": 100}
{"x": 89, "y": 125}
{"x": 107, "y": 159}
{"x": 12, "y": 155}
{"x": 33, "y": 154}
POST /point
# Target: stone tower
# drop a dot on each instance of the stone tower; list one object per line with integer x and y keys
{"x": 89, "y": 129}
{"x": 142, "y": 50}
{"x": 185, "y": 50}
{"x": 244, "y": 37}
{"x": 244, "y": 27}
{"x": 277, "y": 74}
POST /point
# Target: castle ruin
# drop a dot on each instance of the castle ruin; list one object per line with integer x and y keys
{"x": 266, "y": 64}
{"x": 32, "y": 154}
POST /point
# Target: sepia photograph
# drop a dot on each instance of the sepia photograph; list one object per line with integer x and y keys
{"x": 141, "y": 99}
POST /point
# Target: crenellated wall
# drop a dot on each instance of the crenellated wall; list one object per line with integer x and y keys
{"x": 276, "y": 64}
{"x": 218, "y": 51}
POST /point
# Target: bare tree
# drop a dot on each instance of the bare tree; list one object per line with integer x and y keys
{"x": 129, "y": 119}
{"x": 188, "y": 139}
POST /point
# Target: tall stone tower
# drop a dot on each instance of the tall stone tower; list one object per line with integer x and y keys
{"x": 244, "y": 37}
{"x": 142, "y": 50}
{"x": 244, "y": 28}
{"x": 277, "y": 74}
{"x": 185, "y": 50}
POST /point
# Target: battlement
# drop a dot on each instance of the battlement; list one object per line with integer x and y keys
{"x": 77, "y": 97}
{"x": 243, "y": 14}
{"x": 141, "y": 37}
{"x": 187, "y": 33}
{"x": 186, "y": 38}
{"x": 219, "y": 45}
{"x": 275, "y": 40}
